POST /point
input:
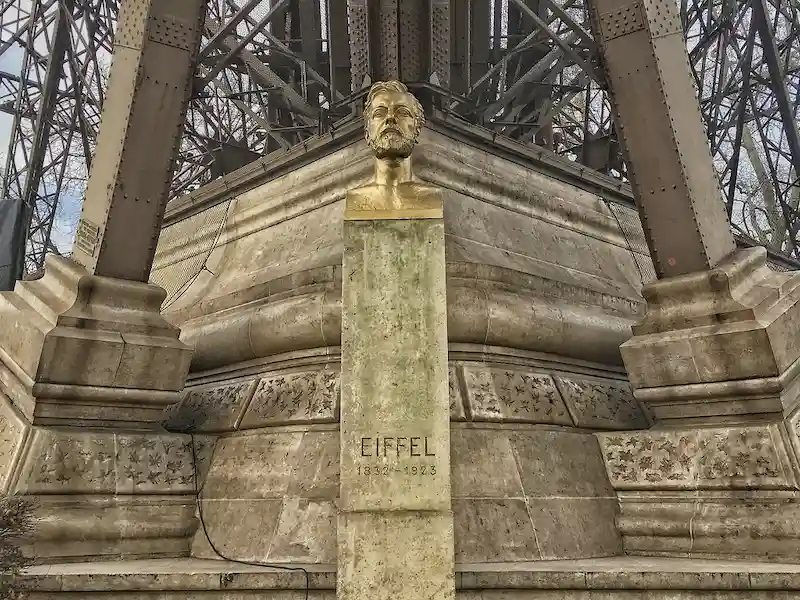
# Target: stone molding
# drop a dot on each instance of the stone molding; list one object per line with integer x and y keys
{"x": 484, "y": 307}
{"x": 726, "y": 458}
{"x": 103, "y": 493}
{"x": 77, "y": 348}
{"x": 720, "y": 345}
{"x": 707, "y": 492}
{"x": 589, "y": 579}
{"x": 483, "y": 387}
{"x": 756, "y": 525}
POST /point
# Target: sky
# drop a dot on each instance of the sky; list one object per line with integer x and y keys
{"x": 10, "y": 62}
{"x": 69, "y": 206}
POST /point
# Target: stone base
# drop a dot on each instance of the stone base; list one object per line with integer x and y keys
{"x": 76, "y": 349}
{"x": 520, "y": 493}
{"x": 714, "y": 492}
{"x": 619, "y": 578}
{"x": 106, "y": 494}
{"x": 719, "y": 346}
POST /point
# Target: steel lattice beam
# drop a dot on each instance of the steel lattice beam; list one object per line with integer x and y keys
{"x": 273, "y": 73}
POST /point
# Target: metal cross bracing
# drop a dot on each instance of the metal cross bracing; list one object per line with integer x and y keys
{"x": 273, "y": 73}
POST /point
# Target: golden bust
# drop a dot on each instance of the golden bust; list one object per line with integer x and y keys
{"x": 393, "y": 118}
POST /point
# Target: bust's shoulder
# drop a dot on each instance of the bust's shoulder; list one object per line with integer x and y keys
{"x": 420, "y": 188}
{"x": 364, "y": 190}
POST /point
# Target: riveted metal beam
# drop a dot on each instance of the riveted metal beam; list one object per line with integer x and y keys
{"x": 150, "y": 83}
{"x": 662, "y": 133}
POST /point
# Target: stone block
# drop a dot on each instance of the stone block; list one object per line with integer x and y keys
{"x": 75, "y": 462}
{"x": 494, "y": 530}
{"x": 60, "y": 461}
{"x": 81, "y": 357}
{"x": 734, "y": 525}
{"x": 514, "y": 395}
{"x": 13, "y": 430}
{"x": 559, "y": 464}
{"x": 109, "y": 527}
{"x": 307, "y": 397}
{"x": 212, "y": 407}
{"x": 315, "y": 473}
{"x": 421, "y": 566}
{"x": 483, "y": 464}
{"x": 568, "y": 528}
{"x": 256, "y": 466}
{"x": 305, "y": 533}
{"x": 742, "y": 457}
{"x": 162, "y": 363}
{"x": 601, "y": 403}
{"x": 238, "y": 528}
{"x": 457, "y": 410}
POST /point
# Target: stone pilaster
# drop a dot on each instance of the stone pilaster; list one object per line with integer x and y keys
{"x": 88, "y": 367}
{"x": 716, "y": 356}
{"x": 87, "y": 362}
{"x": 395, "y": 525}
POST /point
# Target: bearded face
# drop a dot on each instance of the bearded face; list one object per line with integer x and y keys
{"x": 392, "y": 128}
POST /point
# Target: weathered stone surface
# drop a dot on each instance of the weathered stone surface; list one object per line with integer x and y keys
{"x": 484, "y": 465}
{"x": 240, "y": 528}
{"x": 270, "y": 496}
{"x": 308, "y": 397}
{"x": 527, "y": 494}
{"x": 560, "y": 464}
{"x": 495, "y": 527}
{"x": 102, "y": 462}
{"x": 211, "y": 407}
{"x": 601, "y": 404}
{"x": 108, "y": 527}
{"x": 253, "y": 466}
{"x": 715, "y": 458}
{"x": 306, "y": 532}
{"x": 457, "y": 410}
{"x": 369, "y": 569}
{"x": 13, "y": 429}
{"x": 746, "y": 524}
{"x": 513, "y": 395}
{"x": 394, "y": 367}
{"x": 628, "y": 577}
{"x": 316, "y": 470}
{"x": 575, "y": 527}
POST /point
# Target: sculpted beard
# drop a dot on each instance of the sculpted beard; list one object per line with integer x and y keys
{"x": 392, "y": 145}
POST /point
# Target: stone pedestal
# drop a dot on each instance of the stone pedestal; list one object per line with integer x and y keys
{"x": 716, "y": 361}
{"x": 395, "y": 527}
{"x": 87, "y": 367}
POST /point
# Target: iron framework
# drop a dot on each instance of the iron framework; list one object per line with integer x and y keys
{"x": 273, "y": 73}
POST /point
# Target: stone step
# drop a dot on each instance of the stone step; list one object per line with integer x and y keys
{"x": 622, "y": 578}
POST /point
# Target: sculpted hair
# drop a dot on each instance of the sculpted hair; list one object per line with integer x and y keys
{"x": 393, "y": 86}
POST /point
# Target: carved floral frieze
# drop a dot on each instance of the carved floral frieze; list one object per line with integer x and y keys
{"x": 514, "y": 395}
{"x": 12, "y": 430}
{"x": 454, "y": 392}
{"x": 601, "y": 404}
{"x": 106, "y": 462}
{"x": 307, "y": 397}
{"x": 210, "y": 408}
{"x": 732, "y": 458}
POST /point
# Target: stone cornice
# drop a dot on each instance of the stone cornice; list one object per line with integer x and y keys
{"x": 280, "y": 163}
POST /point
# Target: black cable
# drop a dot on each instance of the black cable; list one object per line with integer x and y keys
{"x": 197, "y": 491}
